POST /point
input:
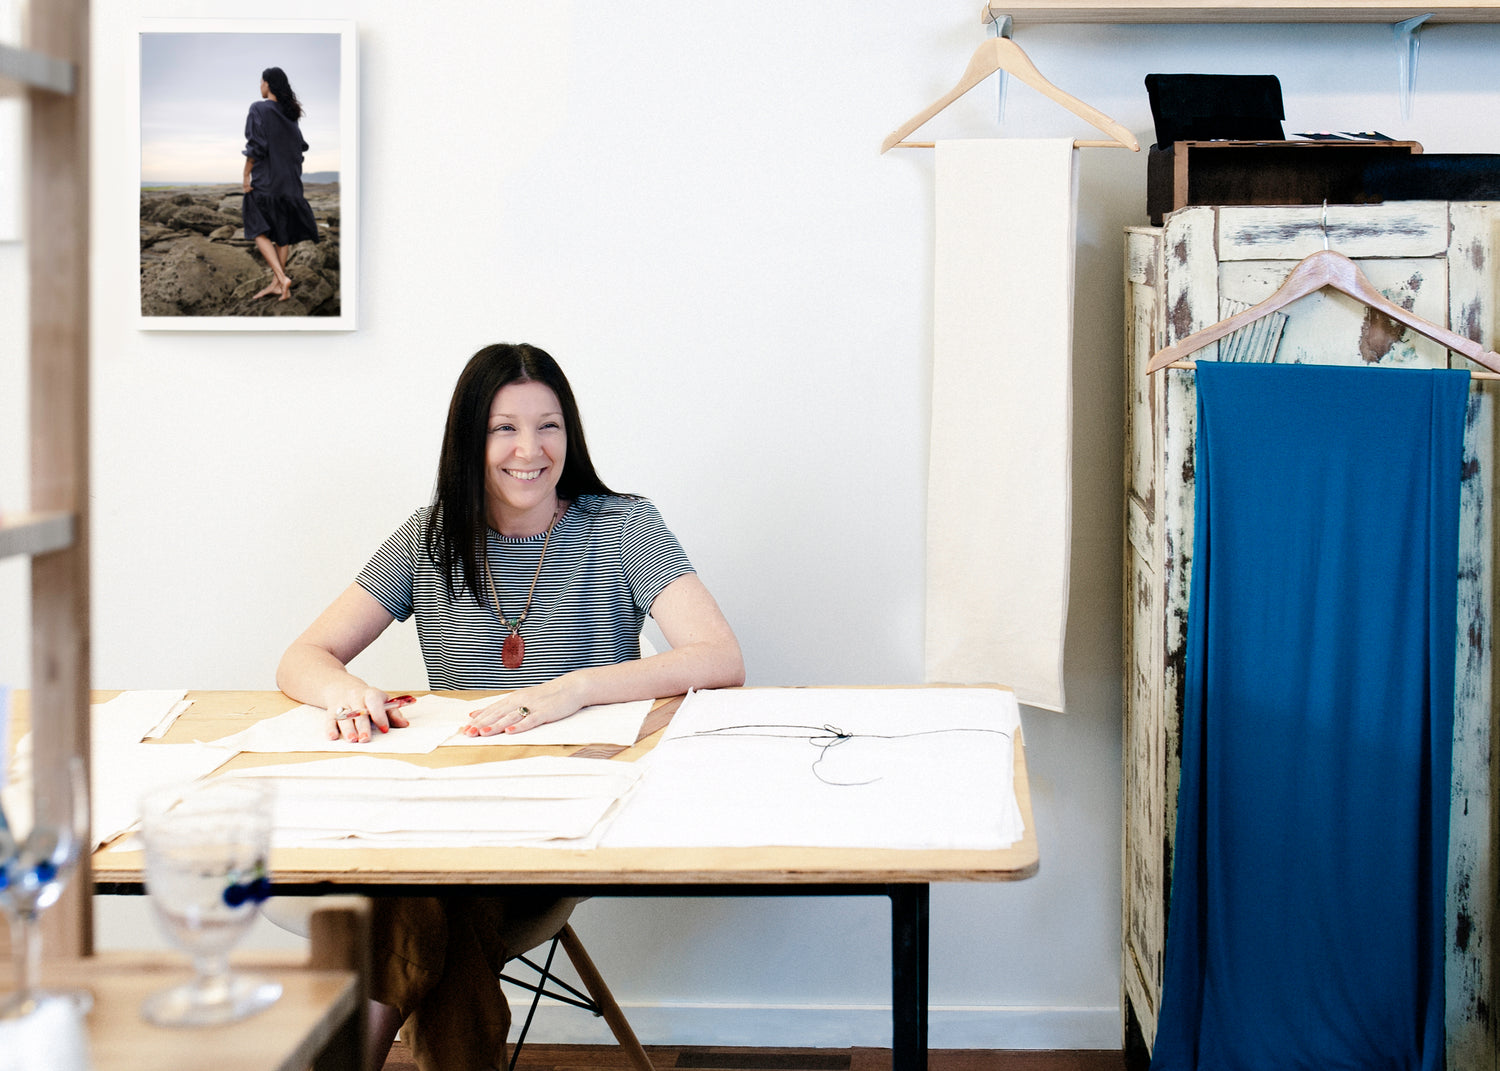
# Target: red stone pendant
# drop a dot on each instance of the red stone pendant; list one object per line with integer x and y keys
{"x": 514, "y": 651}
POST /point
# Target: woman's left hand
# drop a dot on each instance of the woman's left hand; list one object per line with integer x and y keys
{"x": 527, "y": 708}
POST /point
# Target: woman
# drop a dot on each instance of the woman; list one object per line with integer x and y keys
{"x": 276, "y": 213}
{"x": 525, "y": 572}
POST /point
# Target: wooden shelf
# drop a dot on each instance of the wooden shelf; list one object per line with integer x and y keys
{"x": 35, "y": 533}
{"x": 1223, "y": 11}
{"x": 288, "y": 1036}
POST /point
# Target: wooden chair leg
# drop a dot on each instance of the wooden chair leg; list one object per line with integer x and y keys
{"x": 594, "y": 983}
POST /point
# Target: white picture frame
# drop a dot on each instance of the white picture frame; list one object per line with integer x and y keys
{"x": 193, "y": 85}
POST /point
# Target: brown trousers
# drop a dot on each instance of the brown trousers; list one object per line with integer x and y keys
{"x": 437, "y": 961}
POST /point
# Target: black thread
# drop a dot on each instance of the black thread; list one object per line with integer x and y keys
{"x": 825, "y": 738}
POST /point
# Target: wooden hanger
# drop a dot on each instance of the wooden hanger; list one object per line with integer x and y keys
{"x": 1003, "y": 54}
{"x": 1324, "y": 268}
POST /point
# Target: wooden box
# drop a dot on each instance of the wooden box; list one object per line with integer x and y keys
{"x": 1188, "y": 173}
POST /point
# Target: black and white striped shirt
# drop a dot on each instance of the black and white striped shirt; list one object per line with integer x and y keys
{"x": 608, "y": 559}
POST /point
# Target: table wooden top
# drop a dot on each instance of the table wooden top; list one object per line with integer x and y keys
{"x": 218, "y": 713}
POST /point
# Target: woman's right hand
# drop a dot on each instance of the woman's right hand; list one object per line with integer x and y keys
{"x": 358, "y": 712}
{"x": 313, "y": 667}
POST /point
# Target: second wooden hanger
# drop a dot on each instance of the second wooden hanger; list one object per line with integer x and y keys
{"x": 1320, "y": 269}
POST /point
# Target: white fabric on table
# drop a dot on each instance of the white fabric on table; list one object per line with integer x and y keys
{"x": 881, "y": 768}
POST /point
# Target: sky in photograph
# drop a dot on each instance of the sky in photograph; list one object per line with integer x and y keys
{"x": 196, "y": 89}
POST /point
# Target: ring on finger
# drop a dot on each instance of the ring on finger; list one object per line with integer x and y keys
{"x": 524, "y": 712}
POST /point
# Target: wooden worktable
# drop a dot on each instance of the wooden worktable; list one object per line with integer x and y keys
{"x": 902, "y": 875}
{"x": 217, "y": 714}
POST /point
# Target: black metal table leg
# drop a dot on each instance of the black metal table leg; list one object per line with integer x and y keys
{"x": 908, "y": 976}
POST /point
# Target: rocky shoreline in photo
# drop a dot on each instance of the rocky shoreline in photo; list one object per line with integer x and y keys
{"x": 196, "y": 261}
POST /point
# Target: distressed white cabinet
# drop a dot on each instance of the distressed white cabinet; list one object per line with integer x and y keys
{"x": 1203, "y": 264}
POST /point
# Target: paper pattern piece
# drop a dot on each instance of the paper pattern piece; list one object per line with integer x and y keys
{"x": 133, "y": 716}
{"x": 368, "y": 801}
{"x": 434, "y": 718}
{"x": 436, "y": 721}
{"x": 607, "y": 723}
{"x": 880, "y": 768}
{"x": 999, "y": 479}
{"x": 123, "y": 768}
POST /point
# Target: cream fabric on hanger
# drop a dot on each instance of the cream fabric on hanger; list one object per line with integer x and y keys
{"x": 999, "y": 484}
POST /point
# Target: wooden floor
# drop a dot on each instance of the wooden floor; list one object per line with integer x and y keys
{"x": 667, "y": 1058}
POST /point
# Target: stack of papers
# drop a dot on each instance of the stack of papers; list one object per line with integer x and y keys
{"x": 879, "y": 768}
{"x": 126, "y": 765}
{"x": 368, "y": 802}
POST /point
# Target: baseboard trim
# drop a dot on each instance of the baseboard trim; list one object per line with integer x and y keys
{"x": 830, "y": 1026}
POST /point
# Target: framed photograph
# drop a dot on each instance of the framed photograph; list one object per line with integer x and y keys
{"x": 248, "y": 176}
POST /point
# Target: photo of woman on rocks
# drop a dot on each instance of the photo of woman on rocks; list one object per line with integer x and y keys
{"x": 275, "y": 212}
{"x": 248, "y": 175}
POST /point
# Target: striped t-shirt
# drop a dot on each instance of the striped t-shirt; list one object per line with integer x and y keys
{"x": 608, "y": 559}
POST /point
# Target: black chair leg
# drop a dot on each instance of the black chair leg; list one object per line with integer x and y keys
{"x": 597, "y": 1000}
{"x": 536, "y": 996}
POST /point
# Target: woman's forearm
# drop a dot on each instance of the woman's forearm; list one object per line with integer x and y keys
{"x": 313, "y": 675}
{"x": 313, "y": 667}
{"x": 703, "y": 651}
{"x": 673, "y": 672}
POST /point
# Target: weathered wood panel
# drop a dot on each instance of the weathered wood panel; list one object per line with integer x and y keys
{"x": 1474, "y": 830}
{"x": 1434, "y": 259}
{"x": 1397, "y": 229}
{"x": 1141, "y": 316}
{"x": 1142, "y": 923}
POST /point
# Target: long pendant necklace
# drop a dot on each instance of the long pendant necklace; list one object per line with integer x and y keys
{"x": 513, "y": 651}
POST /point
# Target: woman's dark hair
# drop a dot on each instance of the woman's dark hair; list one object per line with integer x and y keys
{"x": 281, "y": 89}
{"x": 460, "y": 521}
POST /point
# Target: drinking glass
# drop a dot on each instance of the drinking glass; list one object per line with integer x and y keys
{"x": 37, "y": 856}
{"x": 207, "y": 851}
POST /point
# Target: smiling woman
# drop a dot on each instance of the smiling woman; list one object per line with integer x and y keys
{"x": 525, "y": 572}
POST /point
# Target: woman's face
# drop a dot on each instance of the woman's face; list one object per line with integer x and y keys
{"x": 265, "y": 89}
{"x": 525, "y": 448}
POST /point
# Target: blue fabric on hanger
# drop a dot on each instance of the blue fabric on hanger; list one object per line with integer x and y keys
{"x": 1308, "y": 884}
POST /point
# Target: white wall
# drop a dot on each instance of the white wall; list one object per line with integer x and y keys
{"x": 684, "y": 203}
